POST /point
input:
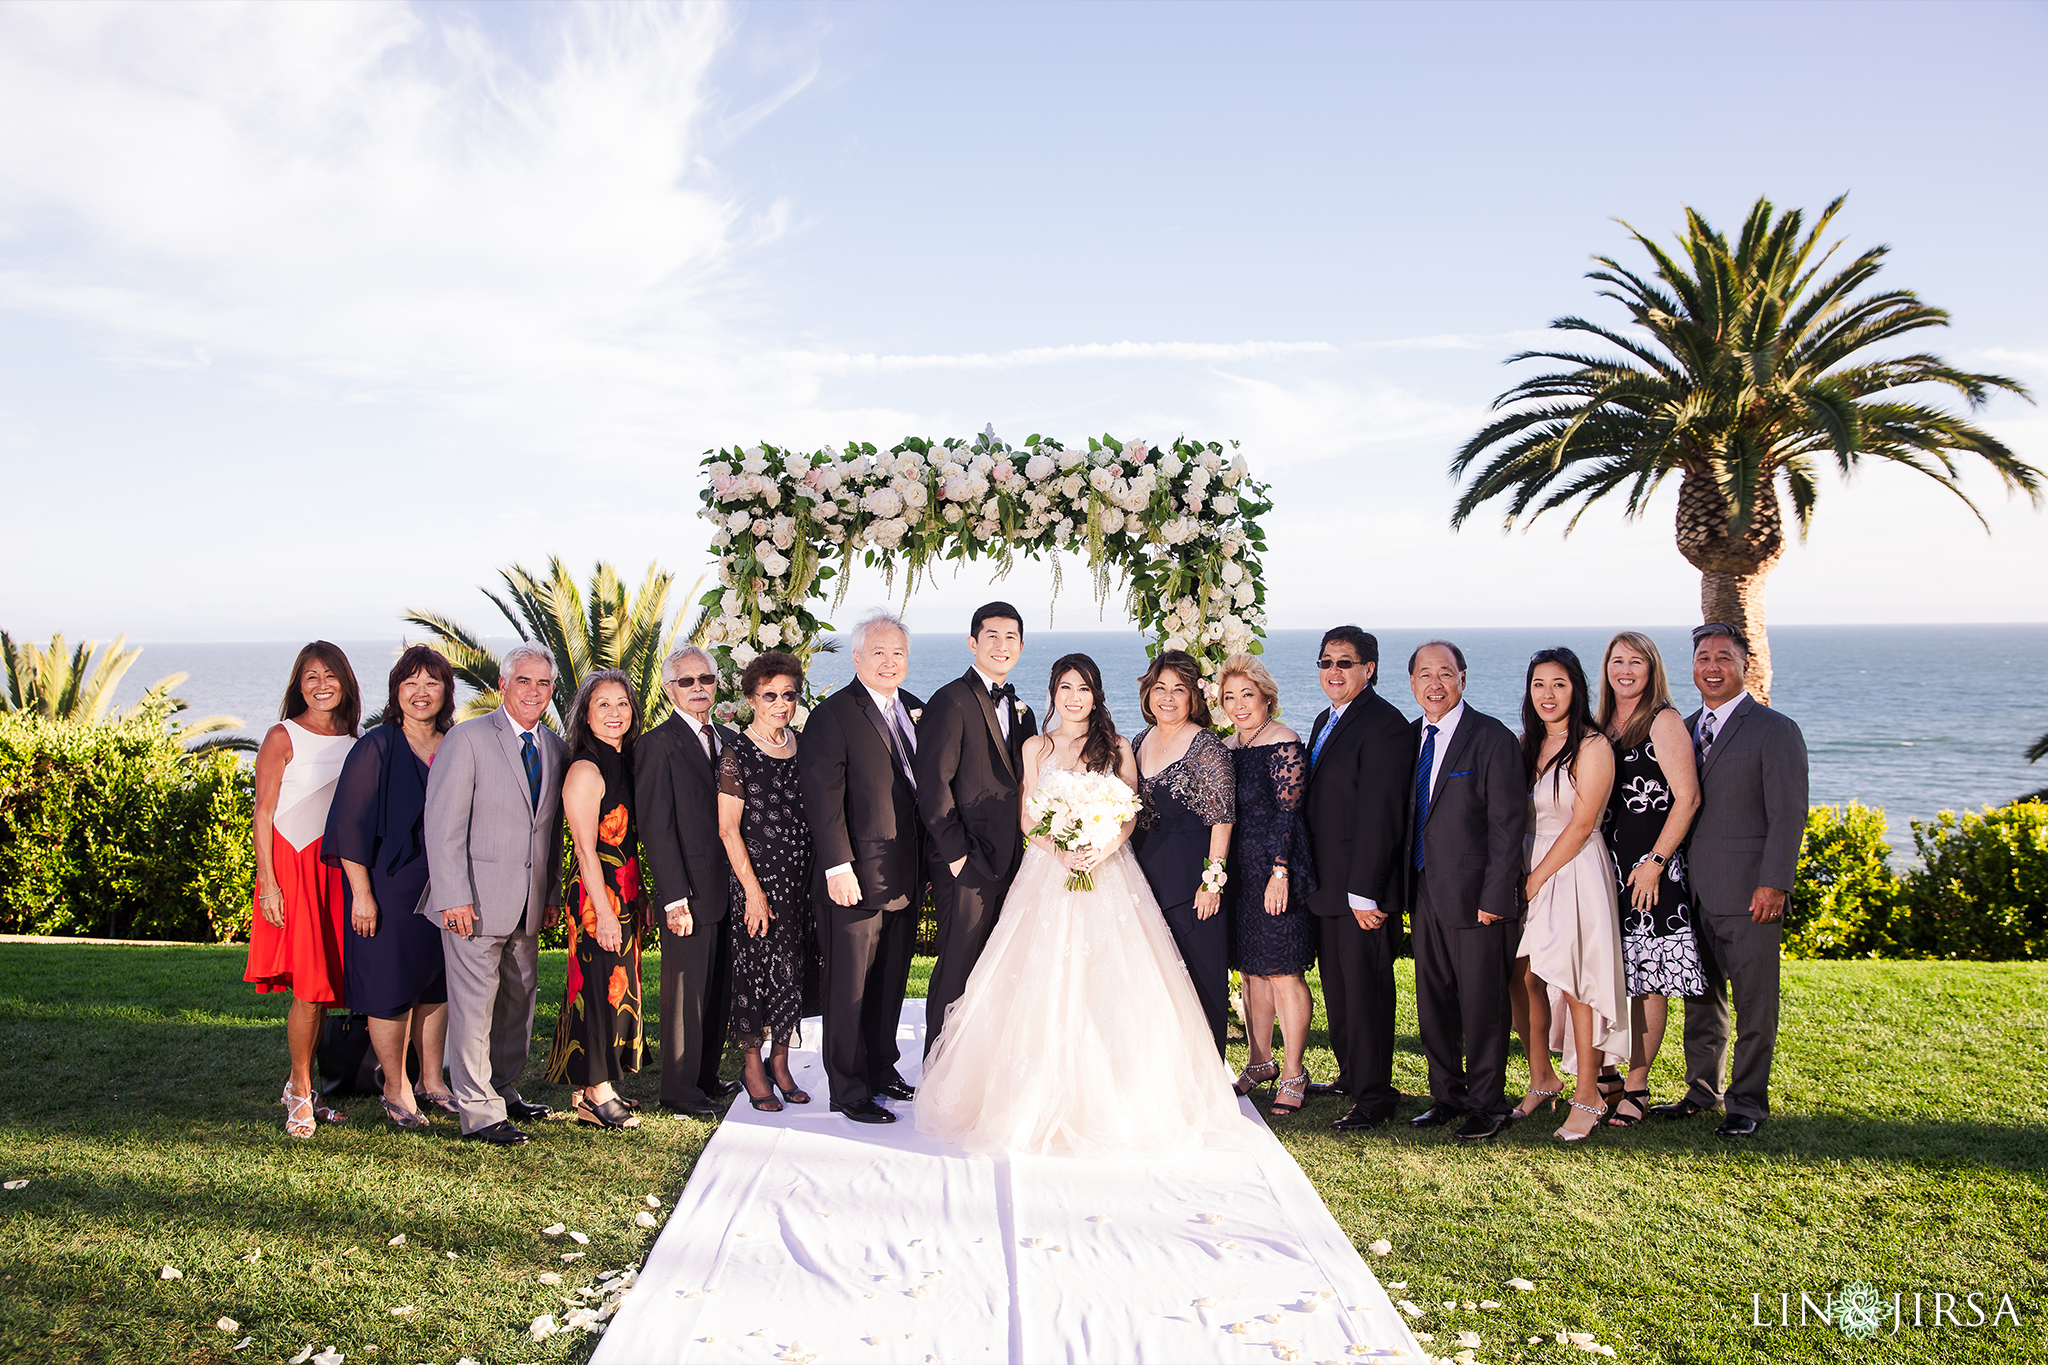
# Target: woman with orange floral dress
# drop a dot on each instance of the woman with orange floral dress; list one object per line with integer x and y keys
{"x": 598, "y": 1035}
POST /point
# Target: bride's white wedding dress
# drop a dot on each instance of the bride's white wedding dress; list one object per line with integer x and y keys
{"x": 1079, "y": 1031}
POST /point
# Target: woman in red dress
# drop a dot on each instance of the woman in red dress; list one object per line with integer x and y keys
{"x": 295, "y": 934}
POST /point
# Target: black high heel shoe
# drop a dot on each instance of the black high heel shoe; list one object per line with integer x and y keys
{"x": 610, "y": 1114}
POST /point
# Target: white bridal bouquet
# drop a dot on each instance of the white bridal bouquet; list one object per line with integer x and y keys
{"x": 1080, "y": 810}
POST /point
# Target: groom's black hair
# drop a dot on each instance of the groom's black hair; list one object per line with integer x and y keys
{"x": 996, "y": 611}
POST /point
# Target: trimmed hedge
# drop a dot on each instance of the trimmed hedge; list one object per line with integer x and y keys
{"x": 115, "y": 831}
{"x": 1845, "y": 890}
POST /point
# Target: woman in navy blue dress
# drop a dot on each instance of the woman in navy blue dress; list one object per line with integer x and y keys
{"x": 1273, "y": 934}
{"x": 1189, "y": 788}
{"x": 391, "y": 956}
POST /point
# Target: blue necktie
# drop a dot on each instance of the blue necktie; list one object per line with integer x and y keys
{"x": 1322, "y": 739}
{"x": 1424, "y": 768}
{"x": 530, "y": 756}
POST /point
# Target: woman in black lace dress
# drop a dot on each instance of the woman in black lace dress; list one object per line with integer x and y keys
{"x": 761, "y": 820}
{"x": 1189, "y": 787}
{"x": 1656, "y": 794}
{"x": 1272, "y": 931}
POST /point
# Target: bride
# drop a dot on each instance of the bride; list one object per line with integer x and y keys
{"x": 1079, "y": 1031}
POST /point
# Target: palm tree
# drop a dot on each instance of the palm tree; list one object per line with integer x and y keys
{"x": 60, "y": 683}
{"x": 1746, "y": 371}
{"x": 611, "y": 628}
{"x": 2035, "y": 752}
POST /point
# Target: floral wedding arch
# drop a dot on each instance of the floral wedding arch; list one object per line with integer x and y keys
{"x": 1176, "y": 525}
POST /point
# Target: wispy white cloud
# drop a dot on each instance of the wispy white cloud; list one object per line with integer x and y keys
{"x": 1185, "y": 352}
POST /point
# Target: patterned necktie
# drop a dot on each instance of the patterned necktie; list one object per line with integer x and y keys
{"x": 1425, "y": 768}
{"x": 710, "y": 744}
{"x": 530, "y": 756}
{"x": 1706, "y": 738}
{"x": 1322, "y": 739}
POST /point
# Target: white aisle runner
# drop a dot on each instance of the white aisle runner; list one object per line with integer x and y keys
{"x": 803, "y": 1235}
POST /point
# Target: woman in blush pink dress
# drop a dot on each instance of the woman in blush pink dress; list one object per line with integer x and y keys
{"x": 296, "y": 933}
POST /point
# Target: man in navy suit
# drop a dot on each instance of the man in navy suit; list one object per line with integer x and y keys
{"x": 1467, "y": 809}
{"x": 856, "y": 768}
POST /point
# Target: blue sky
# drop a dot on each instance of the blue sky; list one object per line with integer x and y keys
{"x": 309, "y": 314}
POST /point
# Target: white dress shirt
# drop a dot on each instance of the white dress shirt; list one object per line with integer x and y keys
{"x": 1365, "y": 903}
{"x": 897, "y": 718}
{"x": 1445, "y": 728}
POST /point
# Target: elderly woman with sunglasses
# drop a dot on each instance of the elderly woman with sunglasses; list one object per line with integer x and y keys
{"x": 761, "y": 819}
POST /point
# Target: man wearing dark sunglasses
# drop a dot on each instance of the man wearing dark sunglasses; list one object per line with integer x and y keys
{"x": 675, "y": 785}
{"x": 1360, "y": 757}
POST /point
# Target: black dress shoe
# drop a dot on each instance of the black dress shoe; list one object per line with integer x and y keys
{"x": 1363, "y": 1116}
{"x": 722, "y": 1090}
{"x": 499, "y": 1134}
{"x": 1480, "y": 1127}
{"x": 526, "y": 1113}
{"x": 704, "y": 1110}
{"x": 1737, "y": 1125}
{"x": 1678, "y": 1109}
{"x": 1436, "y": 1116}
{"x": 897, "y": 1089}
{"x": 867, "y": 1111}
{"x": 1326, "y": 1088}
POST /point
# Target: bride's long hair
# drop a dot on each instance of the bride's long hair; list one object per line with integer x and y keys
{"x": 1098, "y": 749}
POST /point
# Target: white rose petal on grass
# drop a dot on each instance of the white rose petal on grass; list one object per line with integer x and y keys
{"x": 652, "y": 1202}
{"x": 14, "y": 1185}
{"x": 1451, "y": 1304}
{"x": 1535, "y": 1341}
{"x": 1469, "y": 1340}
{"x": 453, "y": 1257}
{"x": 1488, "y": 1303}
{"x": 1424, "y": 1336}
{"x": 1575, "y": 1338}
{"x": 1397, "y": 1284}
{"x": 1406, "y": 1307}
{"x": 302, "y": 1357}
{"x": 543, "y": 1327}
{"x": 581, "y": 1239}
{"x": 330, "y": 1356}
{"x": 1521, "y": 1284}
{"x": 397, "y": 1241}
{"x": 1382, "y": 1247}
{"x": 228, "y": 1325}
{"x": 253, "y": 1257}
{"x": 244, "y": 1344}
{"x": 643, "y": 1219}
{"x": 574, "y": 1255}
{"x": 554, "y": 1230}
{"x": 405, "y": 1310}
{"x": 550, "y": 1277}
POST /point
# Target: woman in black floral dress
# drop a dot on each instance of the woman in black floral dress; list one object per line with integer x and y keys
{"x": 1189, "y": 788}
{"x": 1273, "y": 933}
{"x": 1656, "y": 794}
{"x": 774, "y": 938}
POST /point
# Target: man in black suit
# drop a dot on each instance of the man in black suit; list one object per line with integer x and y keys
{"x": 1361, "y": 756}
{"x": 1742, "y": 854}
{"x": 675, "y": 789}
{"x": 968, "y": 744}
{"x": 856, "y": 767}
{"x": 1468, "y": 807}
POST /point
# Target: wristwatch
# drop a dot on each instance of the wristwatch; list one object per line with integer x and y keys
{"x": 1656, "y": 857}
{"x": 1280, "y": 871}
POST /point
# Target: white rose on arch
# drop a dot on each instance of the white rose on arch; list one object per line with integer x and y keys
{"x": 1233, "y": 572}
{"x": 744, "y": 654}
{"x": 913, "y": 494}
{"x": 952, "y": 512}
{"x": 1039, "y": 468}
{"x": 739, "y": 521}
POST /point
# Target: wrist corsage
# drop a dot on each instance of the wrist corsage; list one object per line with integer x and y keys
{"x": 1213, "y": 875}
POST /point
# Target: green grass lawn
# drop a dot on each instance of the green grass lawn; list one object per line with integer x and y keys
{"x": 139, "y": 1101}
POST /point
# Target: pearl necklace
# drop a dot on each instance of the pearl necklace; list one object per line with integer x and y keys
{"x": 764, "y": 741}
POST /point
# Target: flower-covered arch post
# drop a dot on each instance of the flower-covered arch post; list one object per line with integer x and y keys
{"x": 1177, "y": 525}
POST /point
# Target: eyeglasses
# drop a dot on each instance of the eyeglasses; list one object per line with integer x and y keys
{"x": 766, "y": 697}
{"x": 701, "y": 680}
{"x": 1341, "y": 665}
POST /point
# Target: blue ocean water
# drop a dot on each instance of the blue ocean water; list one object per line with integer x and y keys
{"x": 1915, "y": 719}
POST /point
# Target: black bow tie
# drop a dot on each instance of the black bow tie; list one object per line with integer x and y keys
{"x": 998, "y": 691}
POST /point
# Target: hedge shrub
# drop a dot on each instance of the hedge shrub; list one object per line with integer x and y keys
{"x": 115, "y": 831}
{"x": 1981, "y": 891}
{"x": 1845, "y": 891}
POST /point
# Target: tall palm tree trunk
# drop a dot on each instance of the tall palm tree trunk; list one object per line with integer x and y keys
{"x": 1733, "y": 567}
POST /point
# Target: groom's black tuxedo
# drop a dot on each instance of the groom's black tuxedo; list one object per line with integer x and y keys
{"x": 1357, "y": 825}
{"x": 862, "y": 811}
{"x": 967, "y": 782}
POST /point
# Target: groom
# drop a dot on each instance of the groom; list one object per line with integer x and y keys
{"x": 855, "y": 766}
{"x": 968, "y": 745}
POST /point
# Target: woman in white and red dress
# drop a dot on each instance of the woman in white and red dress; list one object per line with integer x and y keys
{"x": 296, "y": 933}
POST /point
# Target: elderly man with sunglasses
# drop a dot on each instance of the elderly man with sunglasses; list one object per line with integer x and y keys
{"x": 675, "y": 784}
{"x": 1360, "y": 757}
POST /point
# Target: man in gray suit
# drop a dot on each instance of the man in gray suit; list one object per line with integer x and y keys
{"x": 494, "y": 863}
{"x": 1742, "y": 854}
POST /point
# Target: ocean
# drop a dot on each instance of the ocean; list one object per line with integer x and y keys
{"x": 1915, "y": 719}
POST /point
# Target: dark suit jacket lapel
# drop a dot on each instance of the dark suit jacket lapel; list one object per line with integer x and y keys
{"x": 866, "y": 703}
{"x": 693, "y": 747}
{"x": 988, "y": 713}
{"x": 1461, "y": 744}
{"x": 1352, "y": 710}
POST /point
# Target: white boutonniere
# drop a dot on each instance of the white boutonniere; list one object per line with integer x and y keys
{"x": 916, "y": 714}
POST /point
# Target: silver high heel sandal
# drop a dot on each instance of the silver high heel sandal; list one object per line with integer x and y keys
{"x": 1567, "y": 1135}
{"x": 1252, "y": 1077}
{"x": 1546, "y": 1096}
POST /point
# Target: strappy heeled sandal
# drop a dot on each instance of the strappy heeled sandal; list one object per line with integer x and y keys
{"x": 296, "y": 1123}
{"x": 1567, "y": 1135}
{"x": 790, "y": 1093}
{"x": 1295, "y": 1087}
{"x": 1638, "y": 1098}
{"x": 1610, "y": 1085}
{"x": 1252, "y": 1077}
{"x": 326, "y": 1114}
{"x": 404, "y": 1118}
{"x": 446, "y": 1102}
{"x": 609, "y": 1114}
{"x": 1544, "y": 1097}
